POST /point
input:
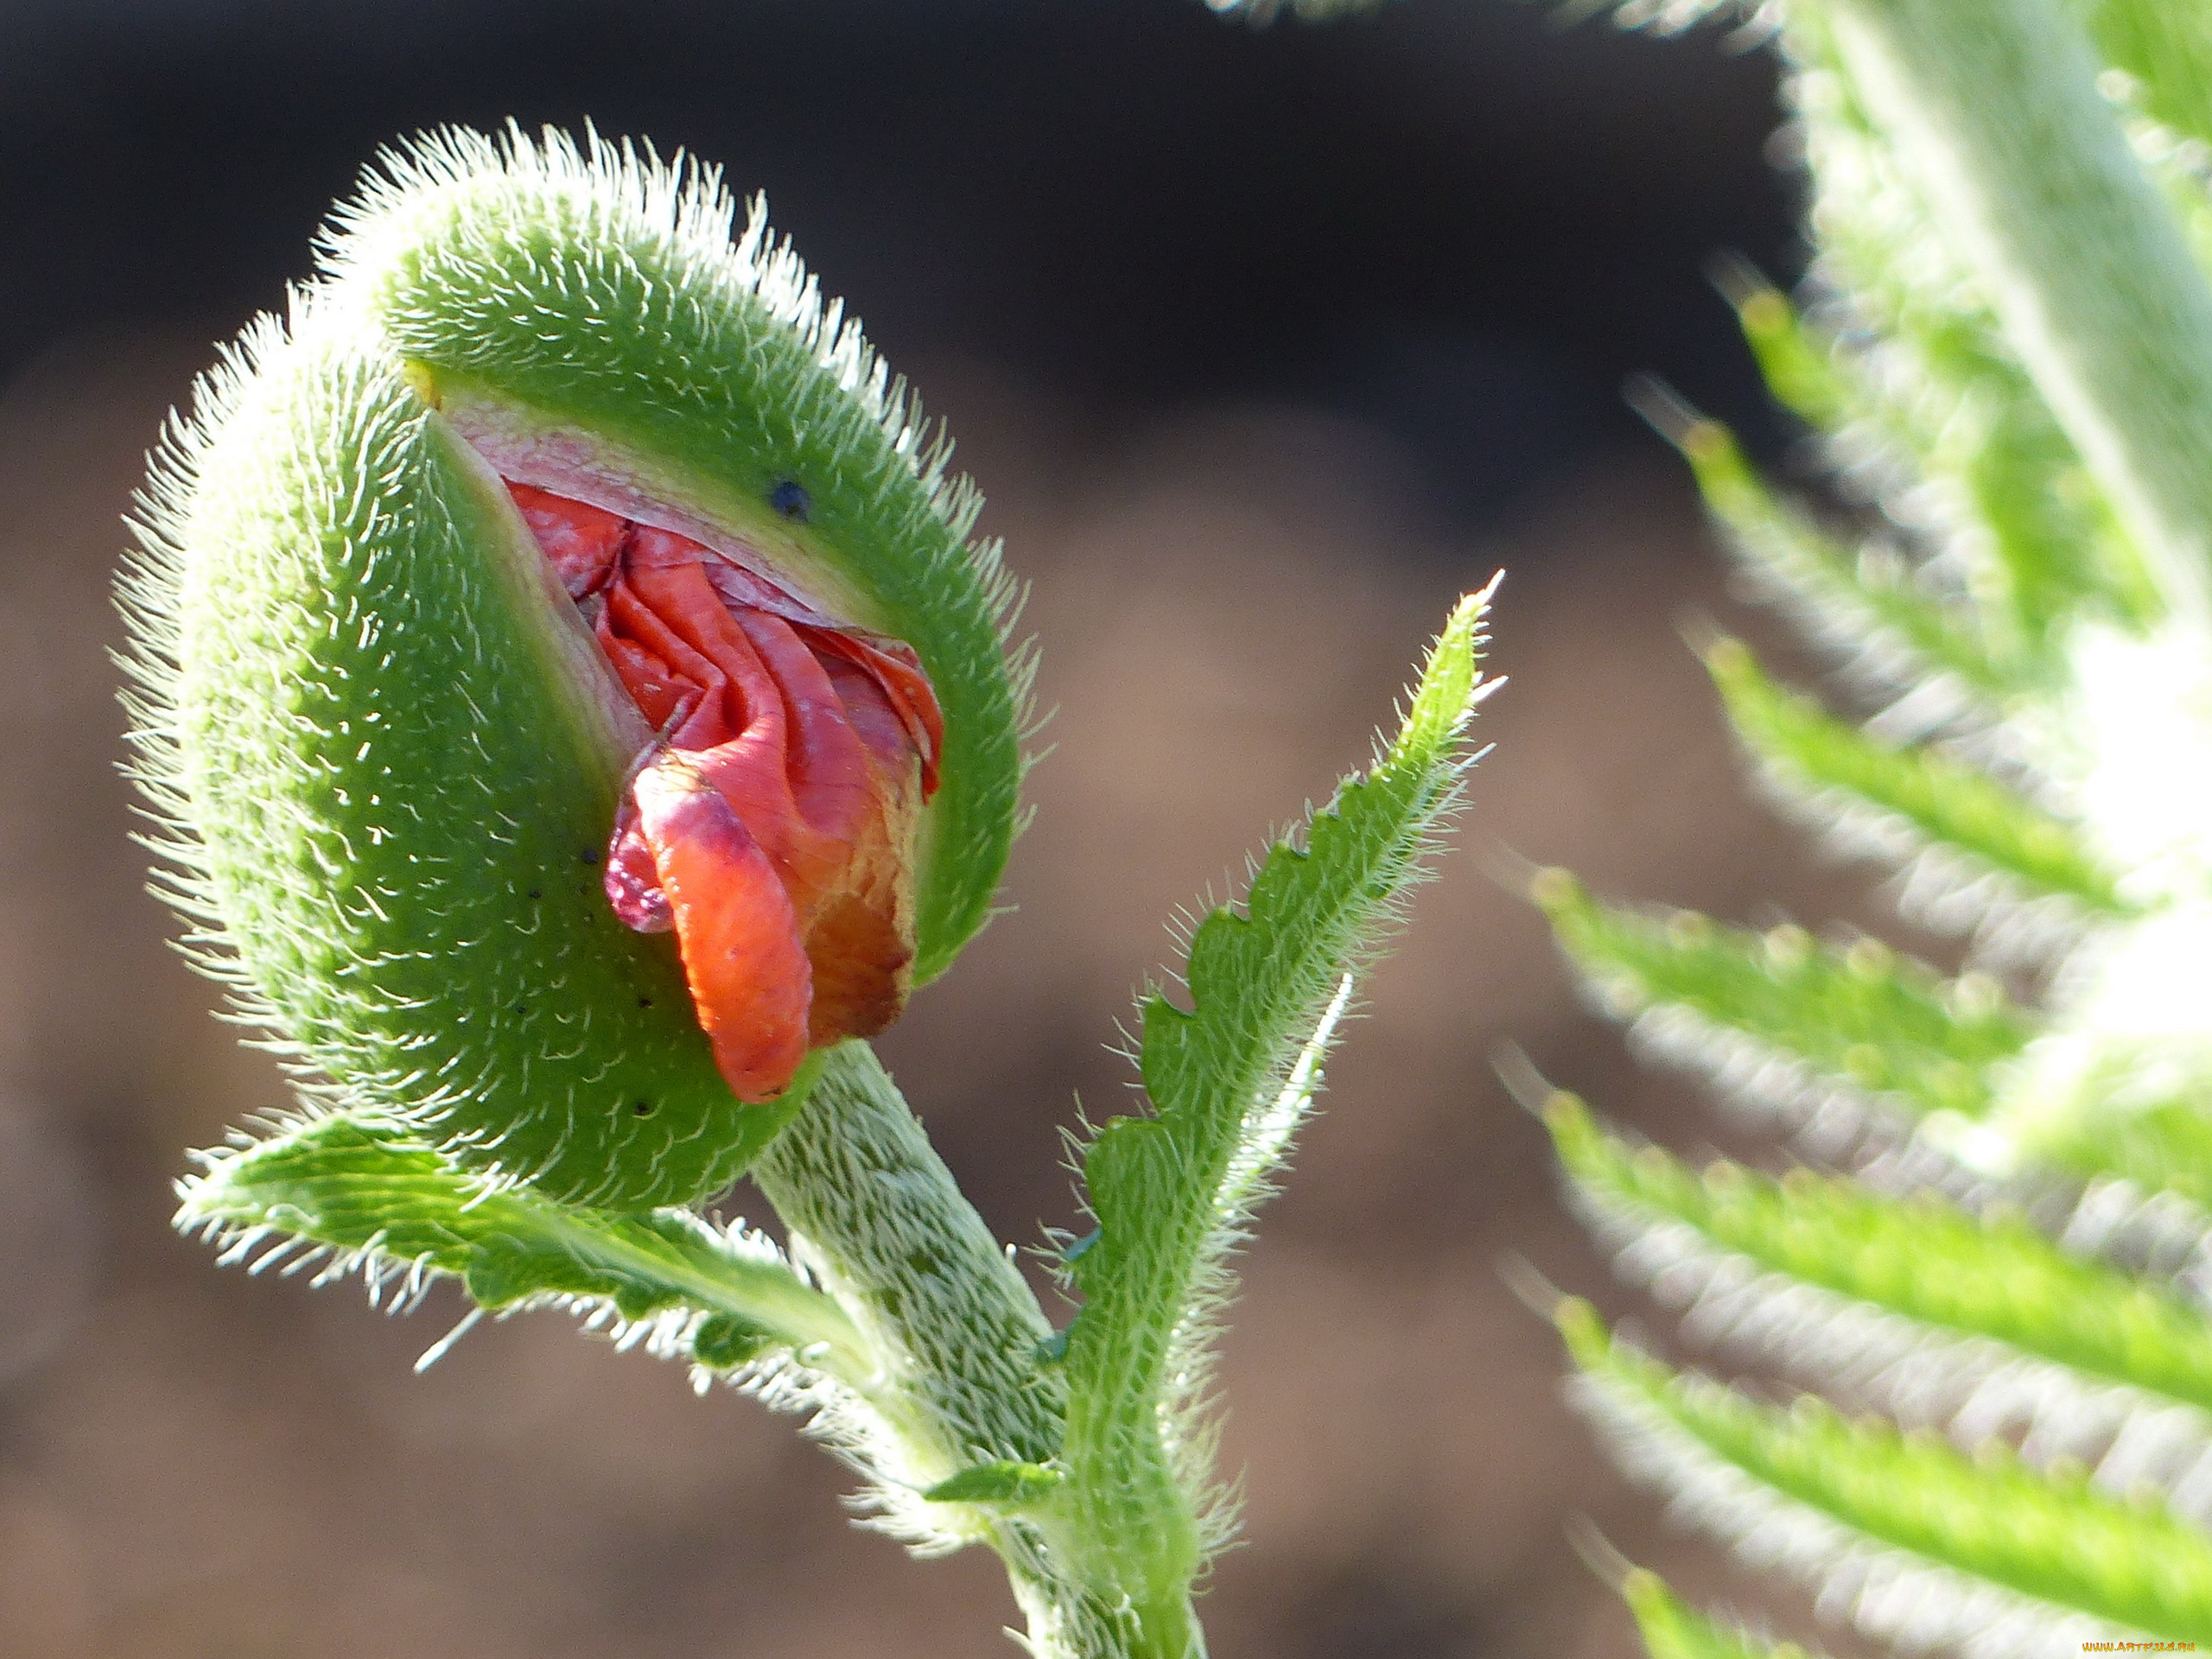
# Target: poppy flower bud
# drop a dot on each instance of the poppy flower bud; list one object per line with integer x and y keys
{"x": 566, "y": 674}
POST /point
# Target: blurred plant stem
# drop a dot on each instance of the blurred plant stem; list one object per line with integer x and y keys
{"x": 1997, "y": 104}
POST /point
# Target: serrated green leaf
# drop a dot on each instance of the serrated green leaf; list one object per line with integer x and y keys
{"x": 1861, "y": 1014}
{"x": 2052, "y": 1537}
{"x": 1004, "y": 1482}
{"x": 1673, "y": 1630}
{"x": 1937, "y": 801}
{"x": 363, "y": 1189}
{"x": 2000, "y": 1277}
{"x": 1169, "y": 1191}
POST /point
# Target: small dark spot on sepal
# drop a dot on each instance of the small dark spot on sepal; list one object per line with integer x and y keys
{"x": 645, "y": 1002}
{"x": 589, "y": 856}
{"x": 537, "y": 893}
{"x": 643, "y": 1109}
{"x": 788, "y": 498}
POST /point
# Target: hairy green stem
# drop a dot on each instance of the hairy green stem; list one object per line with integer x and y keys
{"x": 1995, "y": 103}
{"x": 877, "y": 1217}
{"x": 873, "y": 1210}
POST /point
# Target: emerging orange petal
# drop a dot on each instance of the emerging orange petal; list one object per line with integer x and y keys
{"x": 749, "y": 978}
{"x": 772, "y": 826}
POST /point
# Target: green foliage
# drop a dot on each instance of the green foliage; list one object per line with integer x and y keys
{"x": 1937, "y": 413}
{"x": 1870, "y": 603}
{"x": 1230, "y": 1076}
{"x": 1931, "y": 799}
{"x": 2050, "y": 1537}
{"x": 2167, "y": 49}
{"x": 1860, "y": 1016}
{"x": 2001, "y": 1277}
{"x": 2004, "y": 350}
{"x": 2157, "y": 1146}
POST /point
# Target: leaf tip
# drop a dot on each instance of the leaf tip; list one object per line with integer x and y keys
{"x": 1556, "y": 892}
{"x": 1582, "y": 1330}
{"x": 1698, "y": 437}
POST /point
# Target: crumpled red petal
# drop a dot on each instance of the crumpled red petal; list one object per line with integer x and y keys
{"x": 772, "y": 824}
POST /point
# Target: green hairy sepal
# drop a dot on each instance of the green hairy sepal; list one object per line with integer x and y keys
{"x": 387, "y": 753}
{"x": 393, "y": 757}
{"x": 585, "y": 314}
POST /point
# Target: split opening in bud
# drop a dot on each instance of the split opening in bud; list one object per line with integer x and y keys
{"x": 771, "y": 823}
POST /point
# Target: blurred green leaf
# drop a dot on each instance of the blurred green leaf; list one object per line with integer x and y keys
{"x": 2053, "y": 1537}
{"x": 1993, "y": 1276}
{"x": 1936, "y": 801}
{"x": 1861, "y": 1015}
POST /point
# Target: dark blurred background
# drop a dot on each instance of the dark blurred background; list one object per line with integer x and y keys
{"x": 1264, "y": 345}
